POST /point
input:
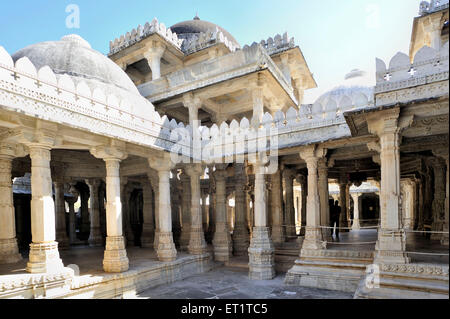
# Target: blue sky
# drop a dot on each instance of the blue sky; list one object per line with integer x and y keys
{"x": 335, "y": 36}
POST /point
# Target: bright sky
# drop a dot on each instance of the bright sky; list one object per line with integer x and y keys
{"x": 335, "y": 36}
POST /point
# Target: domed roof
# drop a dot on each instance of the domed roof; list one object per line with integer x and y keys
{"x": 355, "y": 83}
{"x": 188, "y": 28}
{"x": 73, "y": 55}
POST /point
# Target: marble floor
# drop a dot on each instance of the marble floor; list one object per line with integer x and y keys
{"x": 233, "y": 283}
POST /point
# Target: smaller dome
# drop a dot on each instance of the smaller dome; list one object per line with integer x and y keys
{"x": 355, "y": 82}
{"x": 189, "y": 28}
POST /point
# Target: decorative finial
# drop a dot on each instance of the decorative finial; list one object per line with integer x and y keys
{"x": 196, "y": 16}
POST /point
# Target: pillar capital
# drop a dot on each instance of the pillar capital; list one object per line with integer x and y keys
{"x": 10, "y": 150}
{"x": 155, "y": 50}
{"x": 109, "y": 153}
{"x": 161, "y": 163}
{"x": 312, "y": 153}
{"x": 194, "y": 170}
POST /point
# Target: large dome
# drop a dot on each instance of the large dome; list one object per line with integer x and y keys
{"x": 73, "y": 56}
{"x": 186, "y": 29}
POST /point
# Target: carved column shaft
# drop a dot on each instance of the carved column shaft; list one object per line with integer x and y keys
{"x": 95, "y": 236}
{"x": 197, "y": 244}
{"x": 391, "y": 244}
{"x": 166, "y": 246}
{"x": 438, "y": 205}
{"x": 115, "y": 257}
{"x": 9, "y": 251}
{"x": 222, "y": 237}
{"x": 324, "y": 195}
{"x": 289, "y": 204}
{"x": 241, "y": 239}
{"x": 185, "y": 211}
{"x": 60, "y": 210}
{"x": 278, "y": 233}
{"x": 356, "y": 211}
{"x": 44, "y": 255}
{"x": 148, "y": 231}
{"x": 261, "y": 250}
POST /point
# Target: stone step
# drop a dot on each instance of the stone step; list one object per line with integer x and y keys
{"x": 350, "y": 264}
{"x": 423, "y": 285}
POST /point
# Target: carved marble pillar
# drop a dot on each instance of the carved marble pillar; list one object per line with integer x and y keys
{"x": 125, "y": 192}
{"x": 197, "y": 243}
{"x": 420, "y": 205}
{"x": 241, "y": 238}
{"x": 153, "y": 56}
{"x": 211, "y": 209}
{"x": 313, "y": 235}
{"x": 175, "y": 198}
{"x": 148, "y": 228}
{"x": 278, "y": 231}
{"x": 356, "y": 211}
{"x": 154, "y": 180}
{"x": 391, "y": 242}
{"x": 205, "y": 218}
{"x": 324, "y": 195}
{"x": 289, "y": 211}
{"x": 9, "y": 251}
{"x": 261, "y": 250}
{"x": 222, "y": 238}
{"x": 72, "y": 218}
{"x": 44, "y": 254}
{"x": 95, "y": 236}
{"x": 438, "y": 206}
{"x": 344, "y": 190}
{"x": 166, "y": 246}
{"x": 185, "y": 211}
{"x": 304, "y": 187}
{"x": 60, "y": 210}
{"x": 407, "y": 200}
{"x": 115, "y": 257}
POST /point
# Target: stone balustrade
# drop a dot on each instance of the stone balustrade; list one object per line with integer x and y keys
{"x": 277, "y": 44}
{"x": 142, "y": 32}
{"x": 429, "y": 66}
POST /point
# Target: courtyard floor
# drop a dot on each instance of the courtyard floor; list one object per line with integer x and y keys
{"x": 233, "y": 283}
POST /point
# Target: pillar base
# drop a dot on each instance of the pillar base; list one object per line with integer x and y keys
{"x": 44, "y": 258}
{"x": 197, "y": 244}
{"x": 437, "y": 226}
{"x": 185, "y": 237}
{"x": 9, "y": 251}
{"x": 313, "y": 239}
{"x": 222, "y": 243}
{"x": 96, "y": 238}
{"x": 241, "y": 241}
{"x": 166, "y": 247}
{"x": 278, "y": 234}
{"x": 261, "y": 255}
{"x": 147, "y": 239}
{"x": 115, "y": 258}
{"x": 390, "y": 248}
{"x": 356, "y": 225}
